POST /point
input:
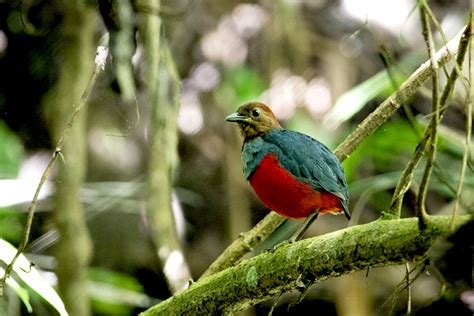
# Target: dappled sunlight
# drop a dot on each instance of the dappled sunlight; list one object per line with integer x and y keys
{"x": 3, "y": 42}
{"x": 287, "y": 92}
{"x": 22, "y": 189}
{"x": 204, "y": 77}
{"x": 225, "y": 44}
{"x": 190, "y": 119}
{"x": 104, "y": 144}
{"x": 391, "y": 15}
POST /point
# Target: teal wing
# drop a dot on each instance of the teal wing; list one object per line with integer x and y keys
{"x": 309, "y": 161}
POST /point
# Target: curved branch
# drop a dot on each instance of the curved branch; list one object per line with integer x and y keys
{"x": 298, "y": 265}
{"x": 420, "y": 207}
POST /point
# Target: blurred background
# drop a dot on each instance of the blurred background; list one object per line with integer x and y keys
{"x": 321, "y": 65}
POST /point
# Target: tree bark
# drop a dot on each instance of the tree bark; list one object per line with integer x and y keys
{"x": 301, "y": 264}
{"x": 163, "y": 103}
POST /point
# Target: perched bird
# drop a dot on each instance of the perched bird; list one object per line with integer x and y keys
{"x": 292, "y": 173}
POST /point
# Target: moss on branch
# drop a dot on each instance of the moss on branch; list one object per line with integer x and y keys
{"x": 298, "y": 265}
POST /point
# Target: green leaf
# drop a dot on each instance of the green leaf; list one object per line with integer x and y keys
{"x": 386, "y": 150}
{"x": 352, "y": 101}
{"x": 239, "y": 85}
{"x": 11, "y": 152}
{"x": 115, "y": 293}
{"x": 11, "y": 223}
{"x": 30, "y": 276}
{"x": 379, "y": 85}
{"x": 19, "y": 291}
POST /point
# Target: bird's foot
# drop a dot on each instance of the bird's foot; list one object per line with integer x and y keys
{"x": 280, "y": 244}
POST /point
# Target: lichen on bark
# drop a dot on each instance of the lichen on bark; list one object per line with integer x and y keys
{"x": 301, "y": 264}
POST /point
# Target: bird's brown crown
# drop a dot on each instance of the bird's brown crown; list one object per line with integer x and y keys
{"x": 254, "y": 119}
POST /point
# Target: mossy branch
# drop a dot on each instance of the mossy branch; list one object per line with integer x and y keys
{"x": 247, "y": 241}
{"x": 301, "y": 264}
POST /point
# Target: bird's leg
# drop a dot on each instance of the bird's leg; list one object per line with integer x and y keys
{"x": 299, "y": 233}
{"x": 308, "y": 221}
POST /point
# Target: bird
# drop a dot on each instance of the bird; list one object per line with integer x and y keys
{"x": 292, "y": 173}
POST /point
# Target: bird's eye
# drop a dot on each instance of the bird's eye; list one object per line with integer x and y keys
{"x": 255, "y": 112}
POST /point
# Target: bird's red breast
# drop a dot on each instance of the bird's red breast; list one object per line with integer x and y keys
{"x": 283, "y": 193}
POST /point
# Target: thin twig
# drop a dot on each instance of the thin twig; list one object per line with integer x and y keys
{"x": 100, "y": 64}
{"x": 410, "y": 278}
{"x": 407, "y": 266}
{"x": 406, "y": 178}
{"x": 456, "y": 66}
{"x": 420, "y": 206}
{"x": 387, "y": 60}
{"x": 468, "y": 110}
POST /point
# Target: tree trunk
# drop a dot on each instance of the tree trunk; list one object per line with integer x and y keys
{"x": 163, "y": 103}
{"x": 76, "y": 53}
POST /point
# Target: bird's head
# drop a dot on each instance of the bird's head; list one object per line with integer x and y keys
{"x": 254, "y": 119}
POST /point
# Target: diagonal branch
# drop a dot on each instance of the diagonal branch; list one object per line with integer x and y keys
{"x": 100, "y": 64}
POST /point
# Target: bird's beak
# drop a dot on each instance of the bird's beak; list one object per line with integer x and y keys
{"x": 237, "y": 118}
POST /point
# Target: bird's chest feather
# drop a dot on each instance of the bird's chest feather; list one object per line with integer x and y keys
{"x": 286, "y": 195}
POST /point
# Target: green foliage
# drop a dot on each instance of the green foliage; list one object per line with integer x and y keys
{"x": 386, "y": 150}
{"x": 302, "y": 122}
{"x": 385, "y": 154}
{"x": 380, "y": 85}
{"x": 11, "y": 223}
{"x": 11, "y": 152}
{"x": 239, "y": 85}
{"x": 28, "y": 277}
{"x": 115, "y": 293}
{"x": 446, "y": 177}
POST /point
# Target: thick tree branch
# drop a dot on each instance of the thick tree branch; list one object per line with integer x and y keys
{"x": 299, "y": 265}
